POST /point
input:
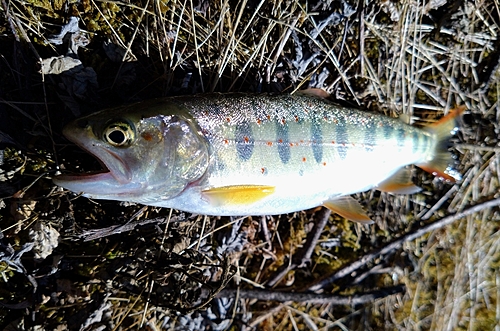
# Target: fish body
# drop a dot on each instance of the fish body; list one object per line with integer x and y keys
{"x": 239, "y": 154}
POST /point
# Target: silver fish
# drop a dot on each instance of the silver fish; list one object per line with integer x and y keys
{"x": 240, "y": 154}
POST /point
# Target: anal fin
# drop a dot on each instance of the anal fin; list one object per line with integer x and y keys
{"x": 349, "y": 208}
{"x": 399, "y": 183}
{"x": 237, "y": 194}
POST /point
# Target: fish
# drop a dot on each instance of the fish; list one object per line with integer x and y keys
{"x": 266, "y": 154}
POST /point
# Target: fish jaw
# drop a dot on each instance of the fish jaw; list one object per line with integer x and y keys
{"x": 114, "y": 179}
{"x": 95, "y": 185}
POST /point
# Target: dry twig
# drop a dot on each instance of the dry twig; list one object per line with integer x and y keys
{"x": 304, "y": 255}
{"x": 332, "y": 299}
{"x": 395, "y": 244}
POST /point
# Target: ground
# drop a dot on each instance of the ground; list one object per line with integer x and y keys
{"x": 430, "y": 260}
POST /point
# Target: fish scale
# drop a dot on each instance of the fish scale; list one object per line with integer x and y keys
{"x": 240, "y": 154}
{"x": 297, "y": 132}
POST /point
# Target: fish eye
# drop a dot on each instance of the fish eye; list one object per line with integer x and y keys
{"x": 119, "y": 134}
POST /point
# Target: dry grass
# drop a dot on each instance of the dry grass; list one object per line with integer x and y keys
{"x": 407, "y": 57}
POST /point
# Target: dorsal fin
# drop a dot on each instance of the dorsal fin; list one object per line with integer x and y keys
{"x": 315, "y": 92}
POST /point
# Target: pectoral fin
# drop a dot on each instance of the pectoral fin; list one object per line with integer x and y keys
{"x": 399, "y": 183}
{"x": 237, "y": 194}
{"x": 349, "y": 208}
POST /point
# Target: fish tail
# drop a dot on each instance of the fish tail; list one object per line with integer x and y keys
{"x": 439, "y": 160}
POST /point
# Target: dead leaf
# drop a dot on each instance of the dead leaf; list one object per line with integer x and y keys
{"x": 45, "y": 238}
{"x": 58, "y": 64}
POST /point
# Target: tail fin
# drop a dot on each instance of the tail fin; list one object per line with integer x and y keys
{"x": 442, "y": 130}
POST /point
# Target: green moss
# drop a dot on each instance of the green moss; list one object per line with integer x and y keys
{"x": 6, "y": 271}
{"x": 42, "y": 4}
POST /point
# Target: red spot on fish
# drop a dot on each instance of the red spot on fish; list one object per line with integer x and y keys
{"x": 302, "y": 141}
{"x": 333, "y": 142}
{"x": 228, "y": 119}
{"x": 291, "y": 144}
{"x": 324, "y": 163}
{"x": 226, "y": 141}
{"x": 262, "y": 170}
{"x": 268, "y": 117}
{"x": 269, "y": 143}
{"x": 147, "y": 136}
{"x": 304, "y": 159}
{"x": 296, "y": 118}
{"x": 280, "y": 141}
{"x": 246, "y": 139}
{"x": 353, "y": 144}
{"x": 259, "y": 121}
{"x": 283, "y": 121}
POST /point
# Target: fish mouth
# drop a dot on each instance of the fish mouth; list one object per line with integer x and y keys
{"x": 110, "y": 180}
{"x": 82, "y": 182}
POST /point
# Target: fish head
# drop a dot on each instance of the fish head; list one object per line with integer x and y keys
{"x": 151, "y": 152}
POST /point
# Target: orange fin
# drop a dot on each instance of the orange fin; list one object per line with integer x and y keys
{"x": 237, "y": 194}
{"x": 399, "y": 183}
{"x": 442, "y": 130}
{"x": 315, "y": 92}
{"x": 349, "y": 208}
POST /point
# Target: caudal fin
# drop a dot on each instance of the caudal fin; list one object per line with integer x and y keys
{"x": 442, "y": 130}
